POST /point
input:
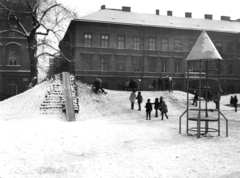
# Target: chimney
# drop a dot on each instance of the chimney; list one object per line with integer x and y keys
{"x": 157, "y": 12}
{"x": 188, "y": 14}
{"x": 103, "y": 7}
{"x": 126, "y": 9}
{"x": 169, "y": 13}
{"x": 227, "y": 18}
{"x": 208, "y": 16}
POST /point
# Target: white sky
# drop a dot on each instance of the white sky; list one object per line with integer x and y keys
{"x": 179, "y": 7}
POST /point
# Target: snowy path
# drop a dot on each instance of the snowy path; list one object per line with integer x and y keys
{"x": 110, "y": 140}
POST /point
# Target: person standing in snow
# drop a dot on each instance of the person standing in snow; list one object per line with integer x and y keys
{"x": 160, "y": 83}
{"x": 148, "y": 110}
{"x": 195, "y": 99}
{"x": 132, "y": 98}
{"x": 235, "y": 101}
{"x": 164, "y": 109}
{"x": 154, "y": 83}
{"x": 139, "y": 100}
{"x": 171, "y": 84}
{"x": 156, "y": 107}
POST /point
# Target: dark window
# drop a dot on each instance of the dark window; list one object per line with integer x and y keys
{"x": 136, "y": 43}
{"x": 229, "y": 69}
{"x": 152, "y": 43}
{"x": 12, "y": 87}
{"x": 177, "y": 66}
{"x": 121, "y": 42}
{"x": 164, "y": 66}
{"x": 12, "y": 53}
{"x": 87, "y": 40}
{"x": 105, "y": 41}
{"x": 136, "y": 64}
{"x": 104, "y": 63}
{"x": 13, "y": 34}
{"x": 230, "y": 47}
{"x": 178, "y": 45}
{"x": 219, "y": 46}
{"x": 120, "y": 64}
{"x": 88, "y": 62}
{"x": 164, "y": 44}
{"x": 152, "y": 64}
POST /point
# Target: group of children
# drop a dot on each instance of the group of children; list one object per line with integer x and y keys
{"x": 158, "y": 105}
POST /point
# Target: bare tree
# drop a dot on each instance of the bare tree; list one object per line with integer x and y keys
{"x": 49, "y": 20}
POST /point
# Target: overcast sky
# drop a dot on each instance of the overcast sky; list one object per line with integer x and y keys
{"x": 198, "y": 8}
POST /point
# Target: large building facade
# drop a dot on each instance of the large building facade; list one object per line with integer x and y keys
{"x": 14, "y": 57}
{"x": 118, "y": 45}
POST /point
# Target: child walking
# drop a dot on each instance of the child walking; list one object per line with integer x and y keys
{"x": 163, "y": 109}
{"x": 148, "y": 110}
{"x": 139, "y": 100}
{"x": 156, "y": 106}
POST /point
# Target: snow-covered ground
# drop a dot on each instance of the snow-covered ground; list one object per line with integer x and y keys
{"x": 109, "y": 140}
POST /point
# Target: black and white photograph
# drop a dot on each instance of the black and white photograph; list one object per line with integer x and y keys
{"x": 119, "y": 89}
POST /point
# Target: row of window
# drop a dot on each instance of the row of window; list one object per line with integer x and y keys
{"x": 152, "y": 65}
{"x": 152, "y": 43}
{"x": 136, "y": 64}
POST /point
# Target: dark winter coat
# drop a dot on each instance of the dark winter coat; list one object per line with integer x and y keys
{"x": 148, "y": 106}
{"x": 163, "y": 107}
{"x": 139, "y": 98}
{"x": 235, "y": 101}
{"x": 156, "y": 105}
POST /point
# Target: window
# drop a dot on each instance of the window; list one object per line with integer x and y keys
{"x": 105, "y": 41}
{"x": 13, "y": 34}
{"x": 164, "y": 45}
{"x": 12, "y": 87}
{"x": 120, "y": 42}
{"x": 88, "y": 62}
{"x": 120, "y": 64}
{"x": 104, "y": 63}
{"x": 229, "y": 47}
{"x": 178, "y": 45}
{"x": 191, "y": 44}
{"x": 136, "y": 64}
{"x": 164, "y": 67}
{"x": 152, "y": 64}
{"x": 136, "y": 43}
{"x": 12, "y": 55}
{"x": 177, "y": 66}
{"x": 229, "y": 69}
{"x": 87, "y": 40}
{"x": 152, "y": 43}
{"x": 219, "y": 46}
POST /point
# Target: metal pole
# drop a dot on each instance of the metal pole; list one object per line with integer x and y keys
{"x": 187, "y": 96}
{"x": 219, "y": 88}
{"x": 199, "y": 111}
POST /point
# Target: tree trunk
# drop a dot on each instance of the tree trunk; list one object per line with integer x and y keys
{"x": 33, "y": 61}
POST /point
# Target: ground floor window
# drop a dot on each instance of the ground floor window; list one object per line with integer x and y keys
{"x": 12, "y": 87}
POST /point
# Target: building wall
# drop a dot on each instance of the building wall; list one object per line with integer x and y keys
{"x": 14, "y": 78}
{"x": 113, "y": 78}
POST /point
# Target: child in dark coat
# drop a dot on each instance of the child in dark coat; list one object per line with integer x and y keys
{"x": 195, "y": 99}
{"x": 156, "y": 106}
{"x": 163, "y": 108}
{"x": 148, "y": 109}
{"x": 139, "y": 100}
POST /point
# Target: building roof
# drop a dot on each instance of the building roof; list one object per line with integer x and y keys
{"x": 152, "y": 20}
{"x": 203, "y": 49}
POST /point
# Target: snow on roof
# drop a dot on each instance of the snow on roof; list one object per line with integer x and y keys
{"x": 133, "y": 18}
{"x": 203, "y": 49}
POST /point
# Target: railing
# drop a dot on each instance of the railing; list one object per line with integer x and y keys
{"x": 70, "y": 114}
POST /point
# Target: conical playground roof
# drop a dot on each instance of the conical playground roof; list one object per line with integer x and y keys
{"x": 203, "y": 49}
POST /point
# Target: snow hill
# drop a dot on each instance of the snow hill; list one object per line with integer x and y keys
{"x": 110, "y": 140}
